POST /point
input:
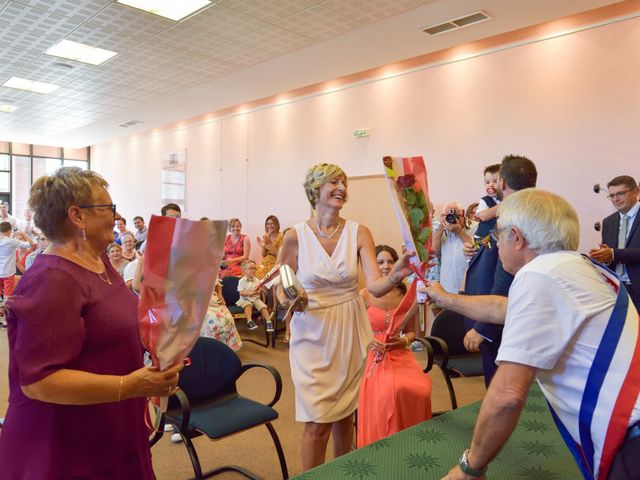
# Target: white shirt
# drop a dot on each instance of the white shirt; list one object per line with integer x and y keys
{"x": 453, "y": 263}
{"x": 559, "y": 306}
{"x": 12, "y": 221}
{"x": 632, "y": 216}
{"x": 248, "y": 285}
{"x": 28, "y": 228}
{"x": 8, "y": 247}
{"x": 129, "y": 271}
{"x": 482, "y": 205}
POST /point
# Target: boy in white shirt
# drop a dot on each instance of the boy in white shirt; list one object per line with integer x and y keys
{"x": 8, "y": 247}
{"x": 250, "y": 296}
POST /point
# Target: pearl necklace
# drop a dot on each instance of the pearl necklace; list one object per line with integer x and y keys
{"x": 327, "y": 235}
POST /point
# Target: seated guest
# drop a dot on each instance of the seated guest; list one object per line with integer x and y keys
{"x": 237, "y": 248}
{"x": 395, "y": 393}
{"x": 128, "y": 244}
{"x": 77, "y": 384}
{"x": 141, "y": 230}
{"x": 250, "y": 296}
{"x": 270, "y": 243}
{"x": 121, "y": 229}
{"x": 42, "y": 243}
{"x": 570, "y": 325}
{"x": 114, "y": 253}
{"x": 218, "y": 322}
{"x": 448, "y": 242}
{"x": 620, "y": 247}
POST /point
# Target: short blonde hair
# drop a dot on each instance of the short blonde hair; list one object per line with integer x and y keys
{"x": 547, "y": 221}
{"x": 114, "y": 244}
{"x": 232, "y": 221}
{"x": 317, "y": 176}
{"x": 52, "y": 195}
{"x": 247, "y": 263}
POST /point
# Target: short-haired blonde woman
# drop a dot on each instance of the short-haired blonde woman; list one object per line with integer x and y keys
{"x": 114, "y": 252}
{"x": 237, "y": 248}
{"x": 77, "y": 385}
{"x": 128, "y": 243}
{"x": 329, "y": 339}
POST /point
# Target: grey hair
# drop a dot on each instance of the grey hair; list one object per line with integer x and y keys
{"x": 547, "y": 221}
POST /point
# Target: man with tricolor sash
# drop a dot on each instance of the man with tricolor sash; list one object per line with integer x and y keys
{"x": 571, "y": 326}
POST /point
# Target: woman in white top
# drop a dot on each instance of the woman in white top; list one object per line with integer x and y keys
{"x": 329, "y": 338}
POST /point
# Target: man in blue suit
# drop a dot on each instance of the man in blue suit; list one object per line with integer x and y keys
{"x": 487, "y": 283}
{"x": 620, "y": 247}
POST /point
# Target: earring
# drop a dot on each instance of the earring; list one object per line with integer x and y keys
{"x": 84, "y": 234}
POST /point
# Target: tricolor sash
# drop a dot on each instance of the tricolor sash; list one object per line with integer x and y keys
{"x": 610, "y": 393}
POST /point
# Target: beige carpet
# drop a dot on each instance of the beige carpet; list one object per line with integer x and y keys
{"x": 253, "y": 449}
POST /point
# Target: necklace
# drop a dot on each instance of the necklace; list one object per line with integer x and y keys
{"x": 107, "y": 280}
{"x": 328, "y": 235}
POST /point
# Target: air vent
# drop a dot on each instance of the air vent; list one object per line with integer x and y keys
{"x": 454, "y": 24}
{"x": 131, "y": 123}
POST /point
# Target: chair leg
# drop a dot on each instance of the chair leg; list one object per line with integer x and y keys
{"x": 452, "y": 393}
{"x": 276, "y": 442}
{"x": 195, "y": 462}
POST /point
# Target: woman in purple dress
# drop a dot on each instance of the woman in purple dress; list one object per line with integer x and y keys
{"x": 77, "y": 384}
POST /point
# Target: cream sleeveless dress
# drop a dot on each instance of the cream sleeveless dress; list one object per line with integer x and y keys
{"x": 329, "y": 340}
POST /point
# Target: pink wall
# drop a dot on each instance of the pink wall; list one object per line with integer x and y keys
{"x": 569, "y": 103}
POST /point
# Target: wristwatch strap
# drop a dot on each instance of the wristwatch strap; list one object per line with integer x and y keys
{"x": 468, "y": 469}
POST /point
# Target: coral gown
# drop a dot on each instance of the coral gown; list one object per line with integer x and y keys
{"x": 395, "y": 393}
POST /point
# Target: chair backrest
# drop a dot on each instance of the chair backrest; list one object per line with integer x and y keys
{"x": 449, "y": 326}
{"x": 230, "y": 290}
{"x": 212, "y": 373}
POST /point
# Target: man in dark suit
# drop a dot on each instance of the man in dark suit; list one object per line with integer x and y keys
{"x": 487, "y": 283}
{"x": 620, "y": 247}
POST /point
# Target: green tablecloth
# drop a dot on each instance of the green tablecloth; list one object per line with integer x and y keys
{"x": 428, "y": 450}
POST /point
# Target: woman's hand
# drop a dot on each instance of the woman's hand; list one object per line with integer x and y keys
{"x": 376, "y": 346}
{"x": 396, "y": 342}
{"x": 402, "y": 268}
{"x": 150, "y": 382}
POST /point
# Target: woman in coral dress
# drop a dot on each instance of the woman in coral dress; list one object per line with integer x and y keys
{"x": 395, "y": 393}
{"x": 330, "y": 331}
{"x": 237, "y": 248}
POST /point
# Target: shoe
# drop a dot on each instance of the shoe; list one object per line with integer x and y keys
{"x": 286, "y": 338}
{"x": 269, "y": 325}
{"x": 176, "y": 438}
{"x": 251, "y": 324}
{"x": 417, "y": 346}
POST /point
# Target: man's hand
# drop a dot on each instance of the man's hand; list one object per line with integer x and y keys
{"x": 472, "y": 341}
{"x": 603, "y": 254}
{"x": 435, "y": 292}
{"x": 469, "y": 250}
{"x": 456, "y": 474}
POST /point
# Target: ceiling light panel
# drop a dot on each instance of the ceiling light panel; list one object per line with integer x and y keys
{"x": 172, "y": 9}
{"x": 30, "y": 85}
{"x": 8, "y": 108}
{"x": 80, "y": 52}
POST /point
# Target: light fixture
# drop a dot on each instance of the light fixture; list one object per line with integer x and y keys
{"x": 8, "y": 108}
{"x": 80, "y": 52}
{"x": 172, "y": 9}
{"x": 30, "y": 85}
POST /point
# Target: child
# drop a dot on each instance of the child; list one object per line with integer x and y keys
{"x": 8, "y": 247}
{"x": 488, "y": 205}
{"x": 250, "y": 298}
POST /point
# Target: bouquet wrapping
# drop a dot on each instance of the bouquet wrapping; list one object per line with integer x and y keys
{"x": 182, "y": 259}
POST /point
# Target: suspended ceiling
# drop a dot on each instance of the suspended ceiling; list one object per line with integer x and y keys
{"x": 235, "y": 51}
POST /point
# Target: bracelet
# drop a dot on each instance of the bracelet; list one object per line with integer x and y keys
{"x": 120, "y": 389}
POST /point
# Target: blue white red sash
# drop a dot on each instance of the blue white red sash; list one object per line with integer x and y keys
{"x": 610, "y": 393}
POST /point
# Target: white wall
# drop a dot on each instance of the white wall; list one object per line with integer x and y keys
{"x": 571, "y": 104}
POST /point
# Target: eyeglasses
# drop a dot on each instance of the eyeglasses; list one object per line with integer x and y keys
{"x": 112, "y": 206}
{"x": 495, "y": 234}
{"x": 621, "y": 194}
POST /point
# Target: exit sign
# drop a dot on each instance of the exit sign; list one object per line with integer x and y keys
{"x": 361, "y": 133}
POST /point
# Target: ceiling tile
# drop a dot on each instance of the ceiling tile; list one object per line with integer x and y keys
{"x": 319, "y": 23}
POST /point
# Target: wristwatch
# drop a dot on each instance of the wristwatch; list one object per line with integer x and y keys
{"x": 468, "y": 469}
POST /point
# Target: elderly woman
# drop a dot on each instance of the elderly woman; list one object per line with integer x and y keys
{"x": 237, "y": 248}
{"x": 77, "y": 384}
{"x": 114, "y": 252}
{"x": 128, "y": 244}
{"x": 270, "y": 242}
{"x": 329, "y": 339}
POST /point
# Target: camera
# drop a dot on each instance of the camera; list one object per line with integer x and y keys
{"x": 451, "y": 217}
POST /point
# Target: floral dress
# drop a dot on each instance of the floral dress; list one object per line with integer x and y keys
{"x": 219, "y": 324}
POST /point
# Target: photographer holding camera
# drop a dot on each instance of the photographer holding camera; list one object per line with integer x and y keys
{"x": 448, "y": 241}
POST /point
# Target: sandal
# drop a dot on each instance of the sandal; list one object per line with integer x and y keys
{"x": 286, "y": 338}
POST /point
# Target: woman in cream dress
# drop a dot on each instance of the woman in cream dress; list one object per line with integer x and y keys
{"x": 330, "y": 333}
